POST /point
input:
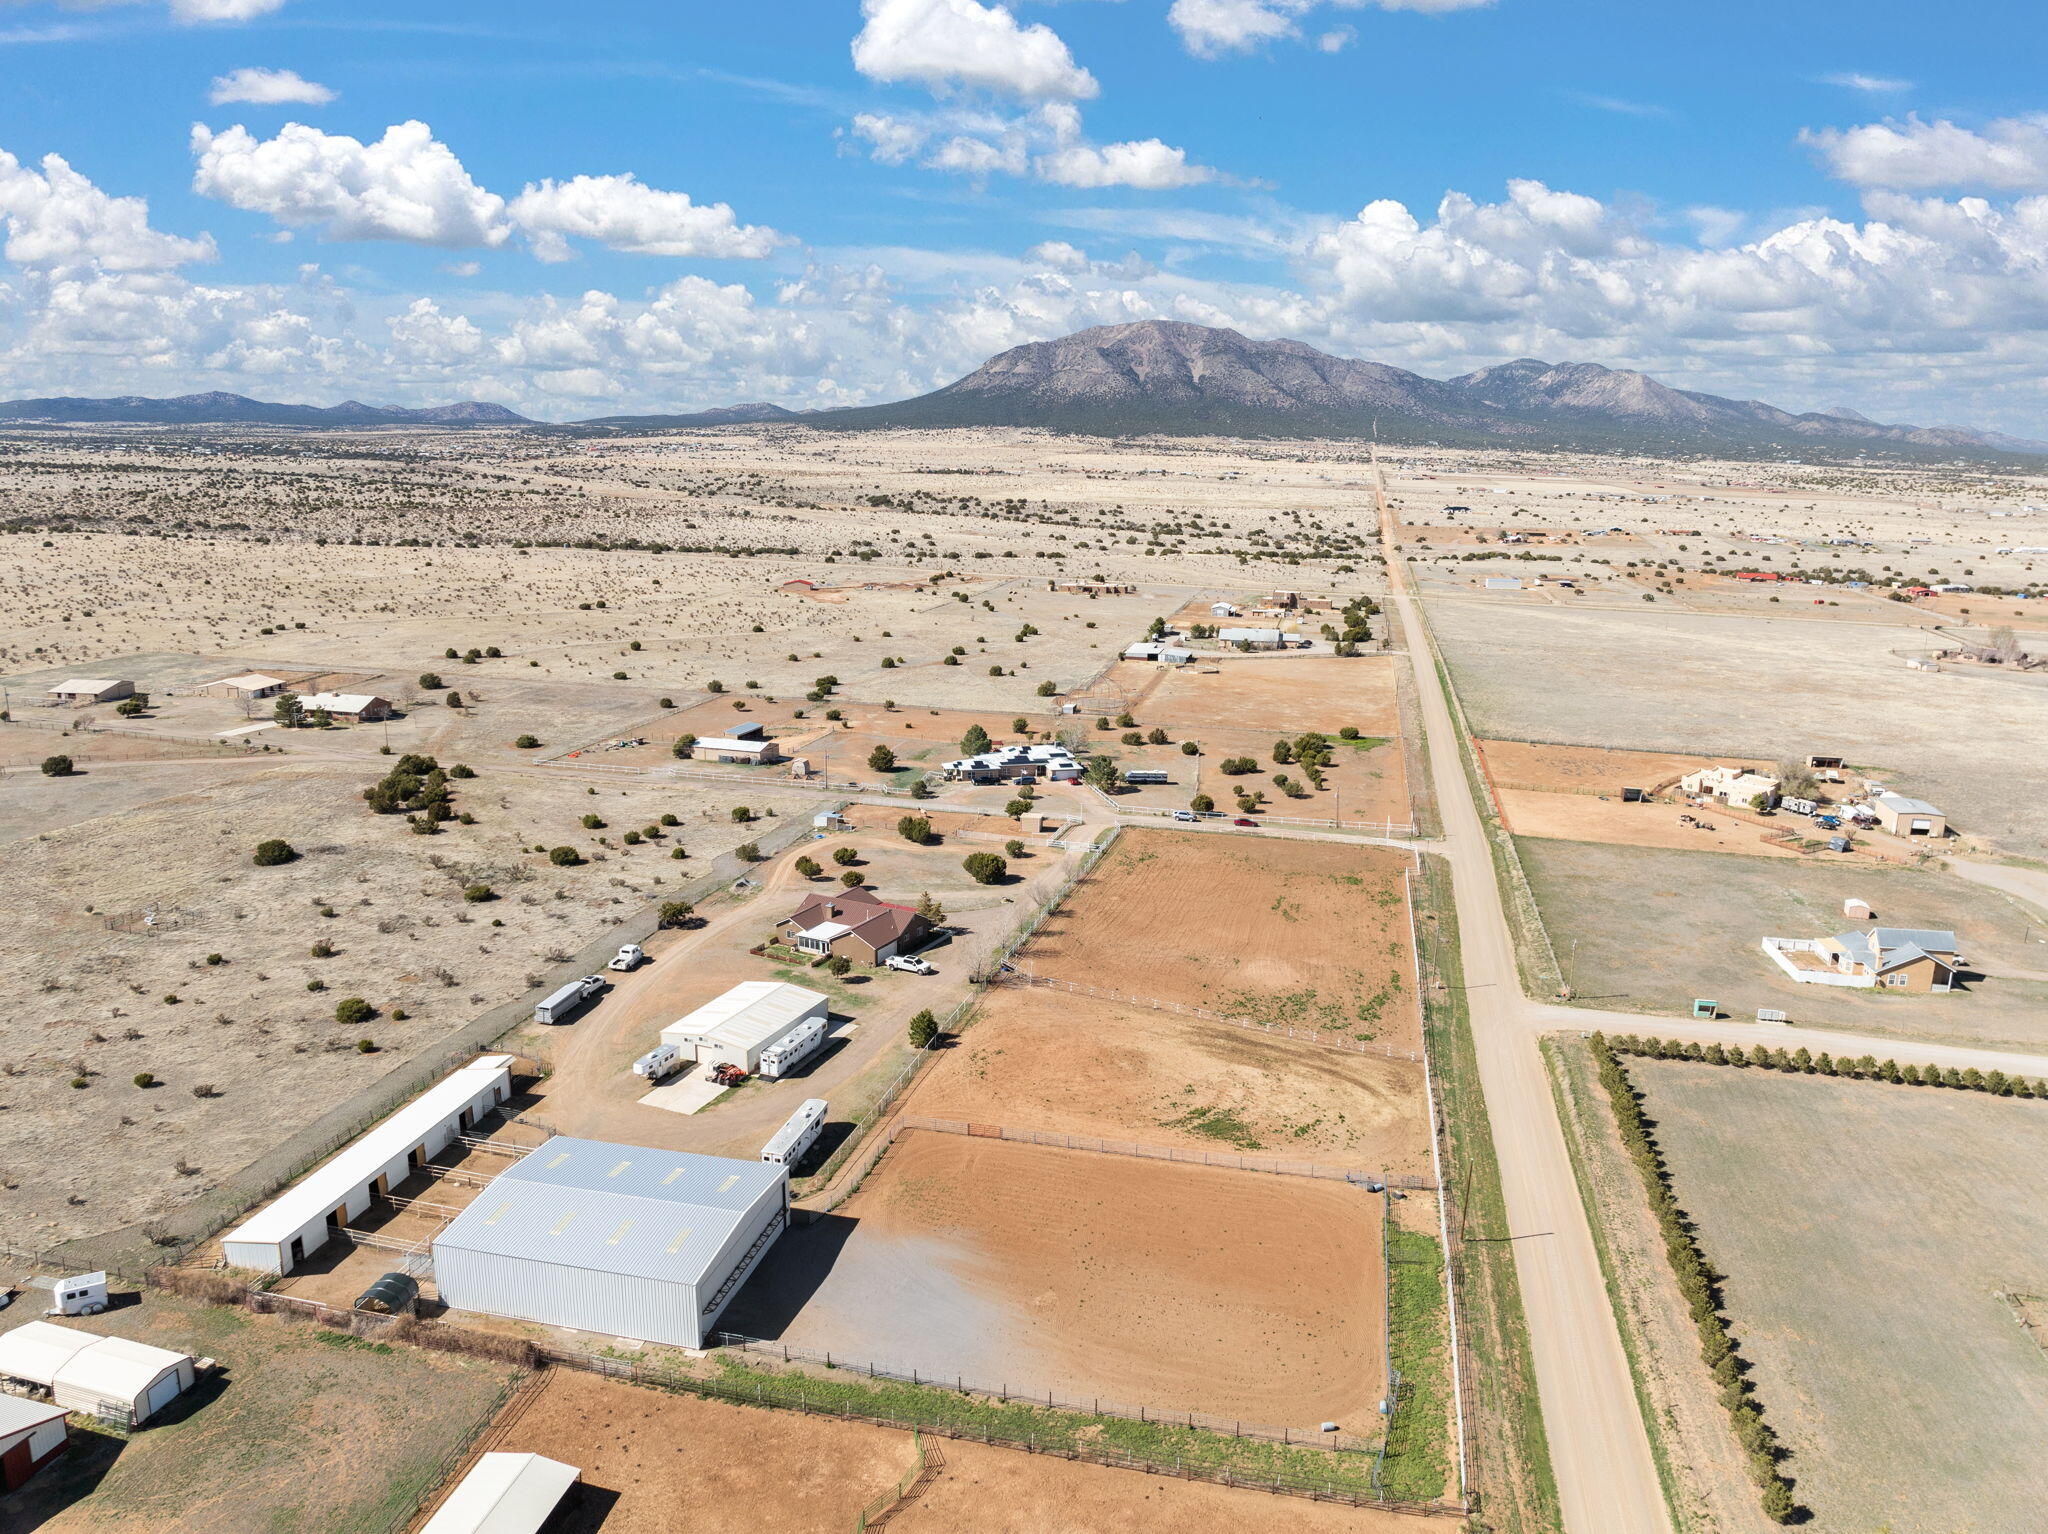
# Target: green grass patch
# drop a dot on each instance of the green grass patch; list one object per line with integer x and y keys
{"x": 1418, "y": 1327}
{"x": 1216, "y": 1124}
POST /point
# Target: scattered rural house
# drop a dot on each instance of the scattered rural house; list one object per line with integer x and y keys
{"x": 124, "y": 1382}
{"x": 798, "y": 585}
{"x": 855, "y": 924}
{"x": 1736, "y": 786}
{"x": 746, "y": 743}
{"x": 247, "y": 687}
{"x": 1910, "y": 959}
{"x": 312, "y": 1212}
{"x": 504, "y": 1494}
{"x": 1222, "y": 610}
{"x": 353, "y": 707}
{"x": 31, "y": 1435}
{"x": 1288, "y": 599}
{"x": 1258, "y": 639}
{"x": 1166, "y": 654}
{"x": 1053, "y": 762}
{"x": 91, "y": 690}
{"x": 1908, "y": 817}
{"x": 614, "y": 1239}
{"x": 1096, "y": 588}
{"x": 734, "y": 1029}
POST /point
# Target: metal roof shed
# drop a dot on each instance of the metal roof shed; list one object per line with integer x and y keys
{"x": 734, "y": 1028}
{"x": 504, "y": 1494}
{"x": 31, "y": 1434}
{"x": 617, "y": 1239}
{"x": 305, "y": 1216}
{"x": 107, "y": 1376}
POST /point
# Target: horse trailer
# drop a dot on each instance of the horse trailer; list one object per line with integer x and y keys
{"x": 789, "y": 1143}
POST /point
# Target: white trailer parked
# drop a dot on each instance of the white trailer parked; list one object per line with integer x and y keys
{"x": 565, "y": 1003}
{"x": 789, "y": 1143}
{"x": 791, "y": 1050}
{"x": 662, "y": 1060}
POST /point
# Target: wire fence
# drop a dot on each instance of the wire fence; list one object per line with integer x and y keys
{"x": 1338, "y": 1444}
{"x": 1403, "y": 828}
{"x": 1372, "y": 1182}
{"x": 883, "y": 1503}
{"x": 1155, "y": 1004}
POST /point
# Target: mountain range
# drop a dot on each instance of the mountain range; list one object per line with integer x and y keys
{"x": 1168, "y": 376}
{"x": 218, "y": 409}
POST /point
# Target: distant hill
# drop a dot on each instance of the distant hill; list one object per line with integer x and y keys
{"x": 1169, "y": 376}
{"x": 218, "y": 409}
{"x": 723, "y": 415}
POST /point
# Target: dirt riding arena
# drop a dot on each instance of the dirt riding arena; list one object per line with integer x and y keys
{"x": 1288, "y": 694}
{"x": 1306, "y": 934}
{"x": 1580, "y": 818}
{"x": 1037, "y": 1058}
{"x": 1179, "y": 1287}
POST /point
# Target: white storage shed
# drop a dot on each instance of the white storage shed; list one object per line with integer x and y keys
{"x": 504, "y": 1494}
{"x": 80, "y": 689}
{"x": 307, "y": 1215}
{"x": 615, "y": 1239}
{"x": 103, "y": 1376}
{"x": 735, "y": 1028}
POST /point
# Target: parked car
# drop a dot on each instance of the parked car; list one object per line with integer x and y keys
{"x": 1241, "y": 821}
{"x": 627, "y": 958}
{"x": 1187, "y": 815}
{"x": 909, "y": 963}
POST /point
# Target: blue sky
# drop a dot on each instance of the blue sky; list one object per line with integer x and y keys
{"x": 634, "y": 206}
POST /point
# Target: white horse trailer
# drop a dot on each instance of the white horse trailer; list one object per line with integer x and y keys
{"x": 662, "y": 1060}
{"x": 798, "y": 1135}
{"x": 791, "y": 1050}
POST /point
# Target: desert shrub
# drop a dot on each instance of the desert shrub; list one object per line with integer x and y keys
{"x": 984, "y": 867}
{"x": 674, "y": 913}
{"x": 353, "y": 1009}
{"x": 564, "y": 857}
{"x": 273, "y": 852}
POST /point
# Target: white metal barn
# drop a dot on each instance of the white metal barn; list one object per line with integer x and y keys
{"x": 102, "y": 1376}
{"x": 504, "y": 1494}
{"x": 617, "y": 1239}
{"x": 753, "y": 1016}
{"x": 310, "y": 1213}
{"x": 91, "y": 690}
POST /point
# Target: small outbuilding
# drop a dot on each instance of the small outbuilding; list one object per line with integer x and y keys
{"x": 31, "y": 1435}
{"x": 112, "y": 1377}
{"x": 1909, "y": 817}
{"x": 91, "y": 690}
{"x": 504, "y": 1494}
{"x": 1857, "y": 910}
{"x": 733, "y": 1029}
{"x": 620, "y": 1240}
{"x": 745, "y": 743}
{"x": 249, "y": 686}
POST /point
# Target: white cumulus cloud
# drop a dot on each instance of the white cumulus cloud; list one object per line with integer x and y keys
{"x": 1210, "y": 29}
{"x": 58, "y": 219}
{"x": 948, "y": 45}
{"x": 407, "y": 186}
{"x": 620, "y": 212}
{"x": 2008, "y": 155}
{"x": 267, "y": 87}
{"x": 1146, "y": 164}
{"x": 890, "y": 140}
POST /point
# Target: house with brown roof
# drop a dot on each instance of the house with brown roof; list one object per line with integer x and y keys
{"x": 854, "y": 924}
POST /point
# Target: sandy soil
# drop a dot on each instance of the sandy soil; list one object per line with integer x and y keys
{"x": 1579, "y": 818}
{"x": 653, "y": 1462}
{"x": 1173, "y": 1286}
{"x": 1287, "y": 694}
{"x": 1591, "y": 770}
{"x": 1313, "y": 934}
{"x": 1065, "y": 1064}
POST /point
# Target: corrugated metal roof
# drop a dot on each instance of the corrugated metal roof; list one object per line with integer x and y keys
{"x": 504, "y": 1494}
{"x": 114, "y": 1368}
{"x": 752, "y": 1012}
{"x": 20, "y": 1415}
{"x": 614, "y": 1208}
{"x": 1899, "y": 804}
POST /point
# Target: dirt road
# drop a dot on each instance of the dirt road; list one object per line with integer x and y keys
{"x": 1605, "y": 1478}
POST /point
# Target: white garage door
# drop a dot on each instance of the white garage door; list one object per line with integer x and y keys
{"x": 161, "y": 1394}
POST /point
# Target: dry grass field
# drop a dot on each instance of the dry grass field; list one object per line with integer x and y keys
{"x": 1867, "y": 1232}
{"x": 280, "y": 1443}
{"x": 1178, "y": 1287}
{"x": 1309, "y": 934}
{"x": 1648, "y": 929}
{"x": 1754, "y": 687}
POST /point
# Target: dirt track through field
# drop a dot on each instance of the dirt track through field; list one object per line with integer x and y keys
{"x": 1177, "y": 1287}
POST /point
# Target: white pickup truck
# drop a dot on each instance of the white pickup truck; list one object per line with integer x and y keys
{"x": 909, "y": 963}
{"x": 627, "y": 958}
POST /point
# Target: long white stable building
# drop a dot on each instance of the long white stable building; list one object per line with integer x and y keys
{"x": 307, "y": 1215}
{"x": 752, "y": 1017}
{"x": 616, "y": 1239}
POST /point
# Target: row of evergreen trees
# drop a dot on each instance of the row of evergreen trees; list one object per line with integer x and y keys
{"x": 1700, "y": 1285}
{"x": 1806, "y": 1063}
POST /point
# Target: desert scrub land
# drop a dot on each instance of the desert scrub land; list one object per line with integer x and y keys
{"x": 1869, "y": 1234}
{"x": 306, "y": 1431}
{"x": 155, "y": 944}
{"x": 1655, "y": 928}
